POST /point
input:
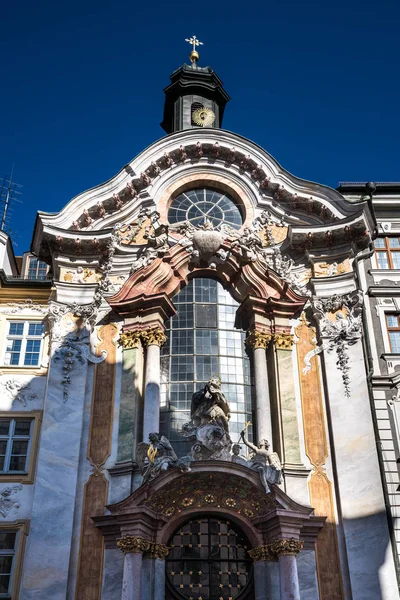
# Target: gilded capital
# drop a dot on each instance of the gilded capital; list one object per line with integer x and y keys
{"x": 258, "y": 339}
{"x": 153, "y": 336}
{"x": 158, "y": 551}
{"x": 262, "y": 553}
{"x": 283, "y": 341}
{"x": 130, "y": 339}
{"x": 285, "y": 547}
{"x": 131, "y": 543}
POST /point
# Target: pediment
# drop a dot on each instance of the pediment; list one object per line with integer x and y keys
{"x": 313, "y": 213}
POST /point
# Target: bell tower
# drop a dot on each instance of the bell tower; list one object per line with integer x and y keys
{"x": 195, "y": 97}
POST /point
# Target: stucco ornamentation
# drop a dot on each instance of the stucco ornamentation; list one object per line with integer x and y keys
{"x": 286, "y": 547}
{"x": 342, "y": 330}
{"x": 153, "y": 336}
{"x": 18, "y": 307}
{"x": 18, "y": 390}
{"x": 258, "y": 339}
{"x": 7, "y": 503}
{"x": 157, "y": 243}
{"x": 130, "y": 339}
{"x": 131, "y": 543}
{"x": 262, "y": 553}
{"x": 73, "y": 352}
{"x": 203, "y": 243}
{"x": 283, "y": 341}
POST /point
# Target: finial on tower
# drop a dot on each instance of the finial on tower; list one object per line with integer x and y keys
{"x": 194, "y": 55}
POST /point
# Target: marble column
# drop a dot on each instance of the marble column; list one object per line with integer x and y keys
{"x": 133, "y": 548}
{"x": 153, "y": 339}
{"x": 153, "y": 580}
{"x": 258, "y": 341}
{"x": 286, "y": 551}
{"x": 266, "y": 576}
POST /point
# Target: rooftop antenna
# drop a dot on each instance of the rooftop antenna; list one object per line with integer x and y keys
{"x": 9, "y": 192}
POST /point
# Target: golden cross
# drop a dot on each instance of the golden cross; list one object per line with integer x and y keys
{"x": 193, "y": 40}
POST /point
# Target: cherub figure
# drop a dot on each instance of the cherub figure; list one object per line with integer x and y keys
{"x": 264, "y": 461}
{"x": 249, "y": 245}
{"x": 157, "y": 457}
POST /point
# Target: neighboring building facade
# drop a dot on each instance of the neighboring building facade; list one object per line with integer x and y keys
{"x": 202, "y": 258}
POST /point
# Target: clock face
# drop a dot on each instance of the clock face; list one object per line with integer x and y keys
{"x": 203, "y": 116}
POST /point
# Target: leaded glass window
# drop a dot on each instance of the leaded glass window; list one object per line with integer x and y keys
{"x": 204, "y": 203}
{"x": 202, "y": 342}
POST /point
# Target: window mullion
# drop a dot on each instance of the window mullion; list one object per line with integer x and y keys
{"x": 7, "y": 457}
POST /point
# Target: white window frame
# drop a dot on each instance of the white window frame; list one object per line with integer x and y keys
{"x": 38, "y": 266}
{"x": 10, "y": 438}
{"x": 24, "y": 339}
{"x": 6, "y": 552}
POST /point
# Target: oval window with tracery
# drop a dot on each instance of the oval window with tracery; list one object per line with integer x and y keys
{"x": 205, "y": 203}
{"x": 209, "y": 559}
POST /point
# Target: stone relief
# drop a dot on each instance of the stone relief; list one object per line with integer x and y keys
{"x": 73, "y": 352}
{"x": 82, "y": 275}
{"x": 7, "y": 502}
{"x": 203, "y": 243}
{"x": 338, "y": 334}
{"x": 157, "y": 243}
{"x": 157, "y": 457}
{"x": 18, "y": 390}
{"x": 18, "y": 307}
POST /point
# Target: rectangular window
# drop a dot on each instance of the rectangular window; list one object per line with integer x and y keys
{"x": 393, "y": 327}
{"x": 15, "y": 441}
{"x": 12, "y": 545}
{"x": 387, "y": 251}
{"x": 37, "y": 269}
{"x": 24, "y": 344}
{"x": 8, "y": 543}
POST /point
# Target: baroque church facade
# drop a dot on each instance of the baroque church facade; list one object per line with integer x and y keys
{"x": 200, "y": 401}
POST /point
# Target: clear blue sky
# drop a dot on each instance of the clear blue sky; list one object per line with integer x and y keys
{"x": 315, "y": 83}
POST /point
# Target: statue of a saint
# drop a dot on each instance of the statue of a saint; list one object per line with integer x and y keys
{"x": 157, "y": 457}
{"x": 209, "y": 405}
{"x": 238, "y": 458}
{"x": 264, "y": 461}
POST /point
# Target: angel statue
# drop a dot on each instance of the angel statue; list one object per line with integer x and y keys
{"x": 264, "y": 461}
{"x": 209, "y": 405}
{"x": 157, "y": 457}
{"x": 249, "y": 245}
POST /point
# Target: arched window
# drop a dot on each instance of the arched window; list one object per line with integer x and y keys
{"x": 205, "y": 203}
{"x": 209, "y": 560}
{"x": 202, "y": 342}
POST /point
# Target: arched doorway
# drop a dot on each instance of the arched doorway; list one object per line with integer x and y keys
{"x": 209, "y": 559}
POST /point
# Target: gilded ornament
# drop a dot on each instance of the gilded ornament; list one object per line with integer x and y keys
{"x": 283, "y": 341}
{"x": 153, "y": 336}
{"x": 157, "y": 551}
{"x": 187, "y": 502}
{"x": 230, "y": 502}
{"x": 203, "y": 116}
{"x": 168, "y": 512}
{"x": 130, "y": 339}
{"x": 258, "y": 339}
{"x": 131, "y": 543}
{"x": 286, "y": 547}
{"x": 262, "y": 553}
{"x": 209, "y": 498}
